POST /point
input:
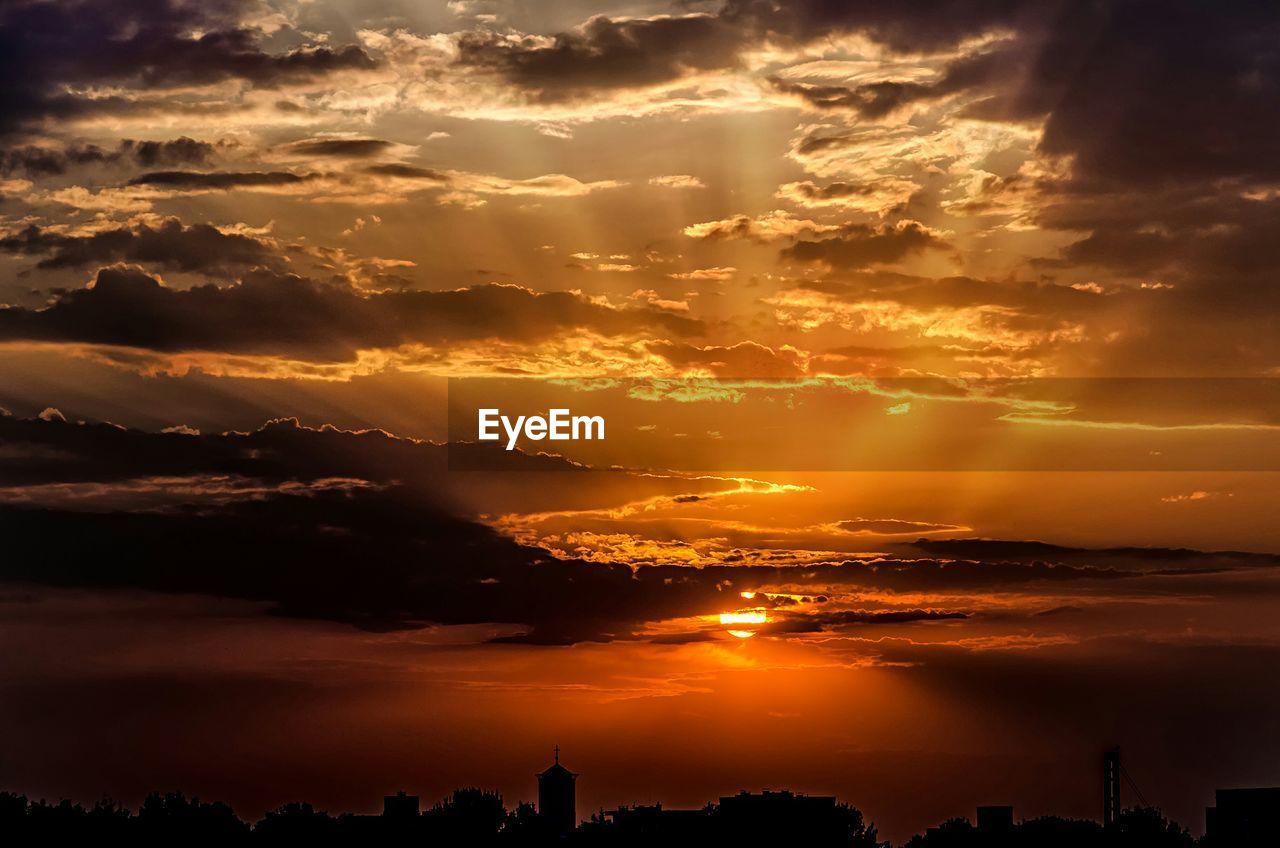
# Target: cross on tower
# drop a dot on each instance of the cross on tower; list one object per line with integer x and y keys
{"x": 557, "y": 755}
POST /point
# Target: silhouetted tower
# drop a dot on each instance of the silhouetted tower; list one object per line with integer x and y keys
{"x": 557, "y": 798}
{"x": 1110, "y": 787}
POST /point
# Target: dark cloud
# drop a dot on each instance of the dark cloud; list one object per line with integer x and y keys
{"x": 49, "y": 45}
{"x": 45, "y": 161}
{"x": 178, "y": 151}
{"x": 1165, "y": 111}
{"x": 823, "y": 622}
{"x": 394, "y": 554}
{"x": 975, "y": 574}
{"x": 220, "y": 179}
{"x": 193, "y": 247}
{"x": 925, "y": 26}
{"x": 375, "y": 558}
{"x": 348, "y": 148}
{"x": 605, "y": 54}
{"x": 410, "y": 172}
{"x": 1007, "y": 550}
{"x": 862, "y": 245}
{"x": 1151, "y": 93}
{"x": 808, "y": 190}
{"x": 880, "y": 98}
{"x": 280, "y": 450}
{"x": 1138, "y": 92}
{"x": 268, "y": 313}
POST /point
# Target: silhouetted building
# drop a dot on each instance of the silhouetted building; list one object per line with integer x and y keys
{"x": 995, "y": 819}
{"x": 782, "y": 818}
{"x": 1110, "y": 787}
{"x": 400, "y": 806}
{"x": 1244, "y": 817}
{"x": 557, "y": 798}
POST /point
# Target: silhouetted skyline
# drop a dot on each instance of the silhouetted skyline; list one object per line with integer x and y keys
{"x": 1240, "y": 818}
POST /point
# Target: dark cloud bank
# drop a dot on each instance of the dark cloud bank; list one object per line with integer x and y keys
{"x": 272, "y": 313}
{"x": 171, "y": 244}
{"x": 393, "y": 554}
{"x": 48, "y": 46}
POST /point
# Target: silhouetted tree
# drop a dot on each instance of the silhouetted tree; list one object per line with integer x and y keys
{"x": 861, "y": 834}
{"x": 468, "y": 816}
{"x": 523, "y": 826}
{"x": 1146, "y": 827}
{"x": 173, "y": 819}
{"x": 296, "y": 824}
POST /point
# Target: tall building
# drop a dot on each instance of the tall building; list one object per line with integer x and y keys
{"x": 557, "y": 798}
{"x": 1110, "y": 787}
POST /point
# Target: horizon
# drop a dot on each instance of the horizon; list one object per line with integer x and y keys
{"x": 428, "y": 803}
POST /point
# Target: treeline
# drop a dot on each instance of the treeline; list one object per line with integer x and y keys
{"x": 467, "y": 817}
{"x": 1140, "y": 827}
{"x": 473, "y": 817}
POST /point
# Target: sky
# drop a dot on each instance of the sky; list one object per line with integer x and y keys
{"x": 935, "y": 341}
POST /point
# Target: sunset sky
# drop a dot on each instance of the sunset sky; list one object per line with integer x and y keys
{"x": 937, "y": 342}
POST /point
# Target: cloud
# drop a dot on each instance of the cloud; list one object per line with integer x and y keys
{"x": 874, "y": 195}
{"x": 825, "y": 622}
{"x": 51, "y": 47}
{"x": 745, "y": 359}
{"x": 718, "y": 274}
{"x": 344, "y": 148}
{"x": 220, "y": 179}
{"x": 892, "y": 526}
{"x": 677, "y": 181}
{"x": 863, "y": 245}
{"x": 178, "y": 151}
{"x": 1012, "y": 550}
{"x": 778, "y": 224}
{"x": 383, "y": 182}
{"x": 170, "y": 244}
{"x": 1003, "y": 325}
{"x": 48, "y": 161}
{"x": 274, "y": 314}
{"x": 1191, "y": 497}
{"x": 880, "y": 98}
{"x": 603, "y": 54}
{"x": 316, "y": 523}
{"x": 408, "y": 172}
{"x": 377, "y": 557}
{"x": 606, "y": 54}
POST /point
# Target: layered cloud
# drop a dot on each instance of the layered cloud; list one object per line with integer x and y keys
{"x": 267, "y": 313}
{"x": 317, "y": 524}
{"x": 54, "y": 48}
{"x": 171, "y": 244}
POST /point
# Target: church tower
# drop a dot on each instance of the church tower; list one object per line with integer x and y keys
{"x": 557, "y": 798}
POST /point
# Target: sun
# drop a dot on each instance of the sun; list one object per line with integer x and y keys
{"x": 741, "y": 617}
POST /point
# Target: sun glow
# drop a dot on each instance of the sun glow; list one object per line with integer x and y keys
{"x": 741, "y": 617}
